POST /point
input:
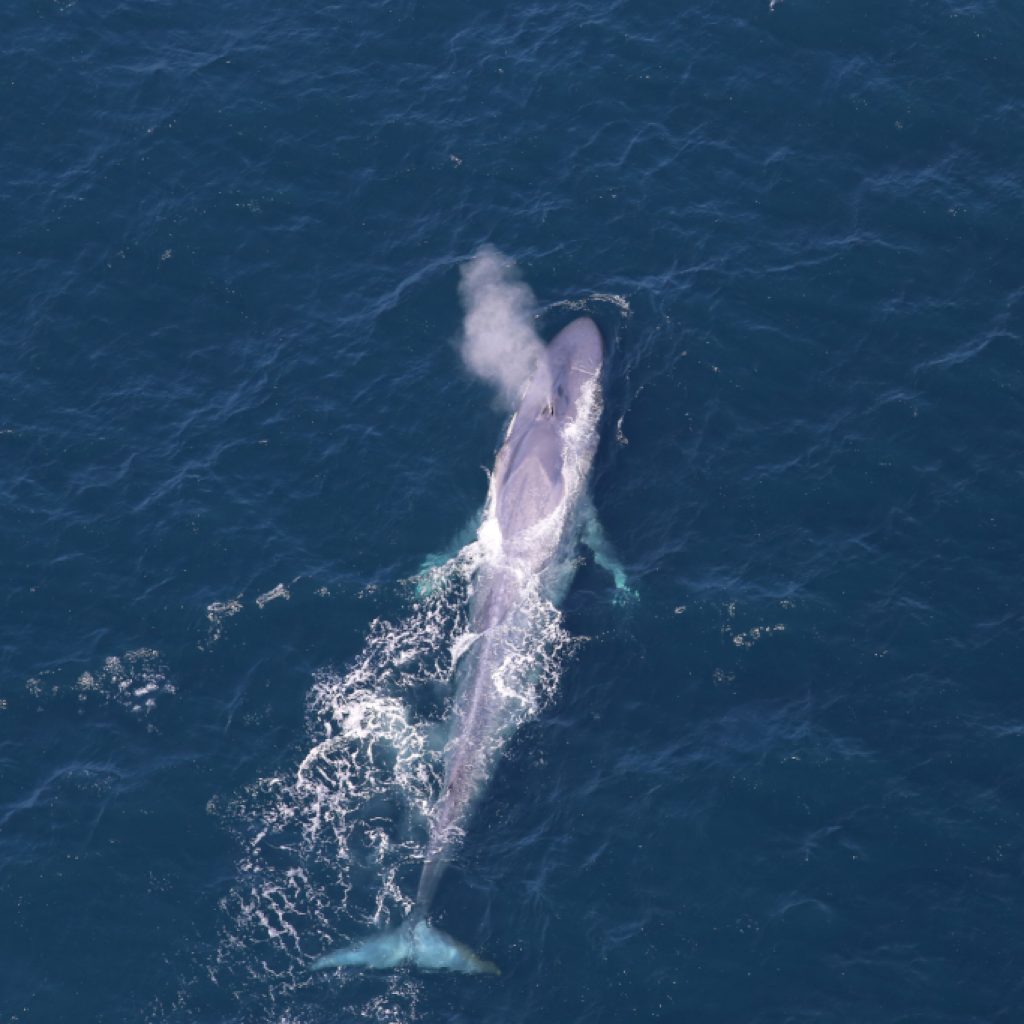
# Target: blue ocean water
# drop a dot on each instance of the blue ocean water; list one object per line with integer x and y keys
{"x": 783, "y": 785}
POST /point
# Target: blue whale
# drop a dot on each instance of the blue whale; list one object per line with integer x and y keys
{"x": 537, "y": 513}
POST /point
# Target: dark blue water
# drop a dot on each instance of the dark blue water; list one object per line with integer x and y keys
{"x": 784, "y": 785}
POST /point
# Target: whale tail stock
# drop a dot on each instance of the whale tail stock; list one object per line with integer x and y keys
{"x": 414, "y": 942}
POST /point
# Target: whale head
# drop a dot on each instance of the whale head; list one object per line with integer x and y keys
{"x": 529, "y": 479}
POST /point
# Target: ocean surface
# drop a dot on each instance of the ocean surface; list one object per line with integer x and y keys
{"x": 784, "y": 783}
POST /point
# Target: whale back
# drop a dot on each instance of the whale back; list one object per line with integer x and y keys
{"x": 528, "y": 479}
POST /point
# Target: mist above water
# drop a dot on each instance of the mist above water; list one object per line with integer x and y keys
{"x": 499, "y": 344}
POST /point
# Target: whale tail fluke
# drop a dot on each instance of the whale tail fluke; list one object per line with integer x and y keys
{"x": 415, "y": 942}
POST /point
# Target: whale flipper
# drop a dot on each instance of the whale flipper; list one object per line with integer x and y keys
{"x": 414, "y": 942}
{"x": 594, "y": 537}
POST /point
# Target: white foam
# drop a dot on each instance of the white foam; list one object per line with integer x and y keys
{"x": 216, "y": 613}
{"x": 348, "y": 811}
{"x": 751, "y": 636}
{"x": 274, "y": 594}
{"x": 134, "y": 680}
{"x": 584, "y": 305}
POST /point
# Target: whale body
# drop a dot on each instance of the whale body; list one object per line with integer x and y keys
{"x": 537, "y": 512}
